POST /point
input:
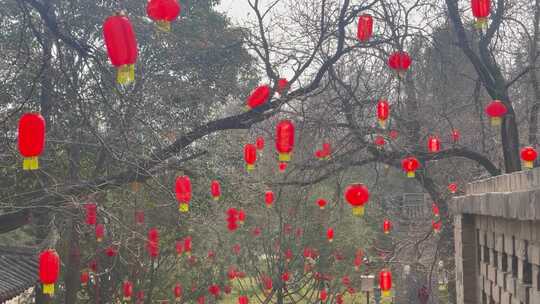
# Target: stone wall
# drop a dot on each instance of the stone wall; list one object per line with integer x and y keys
{"x": 497, "y": 240}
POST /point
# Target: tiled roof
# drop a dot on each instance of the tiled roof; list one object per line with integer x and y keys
{"x": 18, "y": 271}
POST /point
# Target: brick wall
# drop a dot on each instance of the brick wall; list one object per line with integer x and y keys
{"x": 497, "y": 240}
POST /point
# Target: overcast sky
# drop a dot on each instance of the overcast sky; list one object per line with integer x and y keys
{"x": 236, "y": 9}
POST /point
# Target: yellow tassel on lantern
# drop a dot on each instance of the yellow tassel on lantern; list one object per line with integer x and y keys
{"x": 183, "y": 207}
{"x": 480, "y": 23}
{"x": 358, "y": 210}
{"x": 216, "y": 198}
{"x": 127, "y": 299}
{"x": 48, "y": 289}
{"x": 250, "y": 167}
{"x": 122, "y": 76}
{"x": 30, "y": 163}
{"x": 99, "y": 239}
{"x": 330, "y": 240}
{"x": 411, "y": 174}
{"x": 284, "y": 157}
{"x": 496, "y": 121}
{"x": 321, "y": 207}
{"x": 386, "y": 232}
{"x": 382, "y": 123}
{"x": 386, "y": 293}
{"x": 163, "y": 25}
{"x": 528, "y": 164}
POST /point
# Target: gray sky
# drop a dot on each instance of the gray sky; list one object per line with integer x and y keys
{"x": 236, "y": 9}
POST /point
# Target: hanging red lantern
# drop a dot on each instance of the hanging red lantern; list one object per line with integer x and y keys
{"x": 139, "y": 217}
{"x": 480, "y": 10}
{"x": 179, "y": 248}
{"x": 387, "y": 226}
{"x": 285, "y": 276}
{"x": 85, "y": 277}
{"x": 379, "y": 141}
{"x": 357, "y": 195}
{"x": 250, "y": 156}
{"x": 437, "y": 225}
{"x": 258, "y": 97}
{"x": 183, "y": 193}
{"x": 528, "y": 155}
{"x": 100, "y": 232}
{"x": 399, "y": 62}
{"x": 91, "y": 213}
{"x": 187, "y": 245}
{"x": 127, "y": 287}
{"x": 288, "y": 255}
{"x": 31, "y": 139}
{"x": 153, "y": 243}
{"x": 163, "y": 12}
{"x": 243, "y": 300}
{"x": 321, "y": 203}
{"x": 435, "y": 209}
{"x": 365, "y": 27}
{"x": 227, "y": 289}
{"x": 285, "y": 140}
{"x": 383, "y": 112}
{"x": 455, "y": 135}
{"x": 326, "y": 150}
{"x": 259, "y": 143}
{"x": 282, "y": 85}
{"x": 215, "y": 190}
{"x": 267, "y": 283}
{"x": 496, "y": 111}
{"x": 111, "y": 251}
{"x": 214, "y": 290}
{"x": 339, "y": 299}
{"x": 177, "y": 290}
{"x": 434, "y": 144}
{"x": 121, "y": 46}
{"x": 393, "y": 134}
{"x": 211, "y": 255}
{"x": 269, "y": 198}
{"x": 358, "y": 258}
{"x": 140, "y": 297}
{"x": 231, "y": 273}
{"x": 49, "y": 268}
{"x": 346, "y": 281}
{"x": 282, "y": 167}
{"x": 330, "y": 234}
{"x": 452, "y": 187}
{"x": 410, "y": 165}
{"x": 323, "y": 295}
{"x": 241, "y": 216}
{"x": 385, "y": 283}
{"x": 201, "y": 300}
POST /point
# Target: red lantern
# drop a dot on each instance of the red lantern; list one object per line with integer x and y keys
{"x": 435, "y": 209}
{"x": 227, "y": 289}
{"x": 243, "y": 300}
{"x": 282, "y": 166}
{"x": 187, "y": 245}
{"x": 455, "y": 135}
{"x": 387, "y": 226}
{"x": 163, "y": 12}
{"x": 91, "y": 213}
{"x": 215, "y": 190}
{"x": 140, "y": 297}
{"x": 100, "y": 232}
{"x": 330, "y": 234}
{"x": 259, "y": 143}
{"x": 201, "y": 300}
{"x": 288, "y": 255}
{"x": 437, "y": 225}
{"x": 410, "y": 165}
{"x": 357, "y": 195}
{"x": 379, "y": 141}
{"x": 153, "y": 243}
{"x": 211, "y": 255}
{"x": 49, "y": 268}
{"x": 393, "y": 134}
{"x": 93, "y": 266}
{"x": 177, "y": 291}
{"x": 339, "y": 299}
{"x": 241, "y": 216}
{"x": 121, "y": 46}
{"x": 285, "y": 140}
{"x": 346, "y": 281}
{"x": 256, "y": 231}
{"x": 139, "y": 217}
{"x": 326, "y": 150}
{"x": 321, "y": 203}
{"x": 179, "y": 248}
{"x": 183, "y": 193}
{"x": 528, "y": 155}
{"x": 214, "y": 290}
{"x": 267, "y": 282}
{"x": 385, "y": 283}
{"x": 365, "y": 27}
{"x": 269, "y": 198}
{"x": 480, "y": 10}
{"x": 434, "y": 144}
{"x": 383, "y": 112}
{"x": 258, "y": 97}
{"x": 452, "y": 187}
{"x": 111, "y": 251}
{"x": 282, "y": 85}
{"x": 127, "y": 287}
{"x": 250, "y": 156}
{"x": 85, "y": 277}
{"x": 358, "y": 258}
{"x": 323, "y": 295}
{"x": 31, "y": 139}
{"x": 399, "y": 62}
{"x": 496, "y": 111}
{"x": 285, "y": 277}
